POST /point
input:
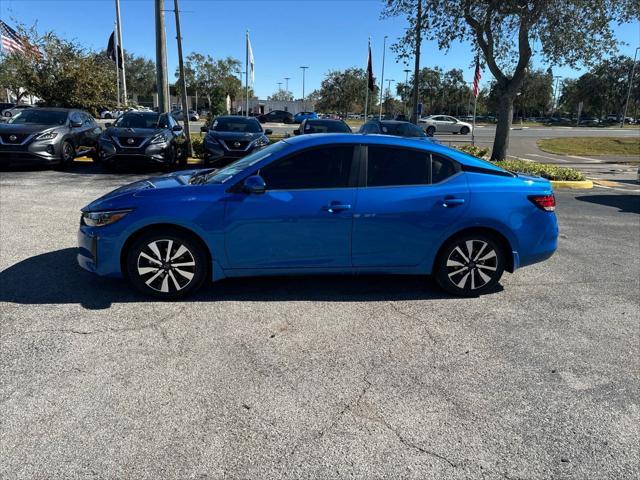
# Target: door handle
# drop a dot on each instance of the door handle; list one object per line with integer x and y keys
{"x": 452, "y": 202}
{"x": 335, "y": 207}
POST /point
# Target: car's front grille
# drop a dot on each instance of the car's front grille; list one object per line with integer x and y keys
{"x": 236, "y": 144}
{"x": 13, "y": 138}
{"x": 131, "y": 142}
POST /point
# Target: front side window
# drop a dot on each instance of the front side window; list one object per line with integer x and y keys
{"x": 320, "y": 168}
{"x": 396, "y": 166}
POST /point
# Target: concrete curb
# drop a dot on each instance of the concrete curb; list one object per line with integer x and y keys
{"x": 584, "y": 184}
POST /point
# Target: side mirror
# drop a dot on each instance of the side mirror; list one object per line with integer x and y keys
{"x": 76, "y": 124}
{"x": 177, "y": 128}
{"x": 204, "y": 129}
{"x": 296, "y": 131}
{"x": 268, "y": 131}
{"x": 254, "y": 184}
{"x": 108, "y": 124}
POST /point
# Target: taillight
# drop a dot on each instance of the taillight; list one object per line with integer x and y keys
{"x": 544, "y": 202}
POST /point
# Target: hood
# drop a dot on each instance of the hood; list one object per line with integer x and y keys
{"x": 126, "y": 195}
{"x": 235, "y": 135}
{"x": 132, "y": 132}
{"x": 26, "y": 127}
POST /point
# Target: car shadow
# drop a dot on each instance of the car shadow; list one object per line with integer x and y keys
{"x": 624, "y": 203}
{"x": 55, "y": 278}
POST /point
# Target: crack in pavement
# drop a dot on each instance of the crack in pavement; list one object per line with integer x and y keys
{"x": 416, "y": 319}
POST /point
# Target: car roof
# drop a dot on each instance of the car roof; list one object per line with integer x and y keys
{"x": 57, "y": 109}
{"x": 319, "y": 139}
{"x": 236, "y": 117}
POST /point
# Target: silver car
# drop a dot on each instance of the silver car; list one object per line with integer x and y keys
{"x": 445, "y": 124}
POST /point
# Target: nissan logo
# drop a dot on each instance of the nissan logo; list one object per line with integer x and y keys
{"x": 236, "y": 144}
{"x": 130, "y": 141}
{"x": 12, "y": 138}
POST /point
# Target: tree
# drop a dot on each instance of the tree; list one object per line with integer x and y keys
{"x": 141, "y": 75}
{"x": 504, "y": 32}
{"x": 281, "y": 96}
{"x": 13, "y": 71}
{"x": 344, "y": 91}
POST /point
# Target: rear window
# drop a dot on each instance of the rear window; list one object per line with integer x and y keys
{"x": 326, "y": 126}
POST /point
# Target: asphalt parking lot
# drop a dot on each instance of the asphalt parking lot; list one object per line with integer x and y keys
{"x": 332, "y": 377}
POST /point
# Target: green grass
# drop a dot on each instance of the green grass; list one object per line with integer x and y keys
{"x": 591, "y": 145}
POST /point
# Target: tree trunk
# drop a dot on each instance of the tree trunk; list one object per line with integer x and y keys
{"x": 503, "y": 128}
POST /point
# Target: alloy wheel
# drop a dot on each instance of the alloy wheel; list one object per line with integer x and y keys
{"x": 166, "y": 265}
{"x": 472, "y": 264}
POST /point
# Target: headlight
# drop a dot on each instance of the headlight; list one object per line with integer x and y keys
{"x": 262, "y": 142}
{"x": 211, "y": 139}
{"x": 47, "y": 136}
{"x": 159, "y": 138}
{"x": 100, "y": 219}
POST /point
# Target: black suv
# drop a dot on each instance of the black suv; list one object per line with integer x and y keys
{"x": 52, "y": 136}
{"x": 147, "y": 136}
{"x": 232, "y": 137}
{"x": 395, "y": 128}
{"x": 321, "y": 125}
{"x": 276, "y": 116}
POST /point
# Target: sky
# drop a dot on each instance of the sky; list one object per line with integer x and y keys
{"x": 321, "y": 34}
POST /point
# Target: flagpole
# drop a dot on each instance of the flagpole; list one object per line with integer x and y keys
{"x": 473, "y": 127}
{"x": 366, "y": 88}
{"x": 116, "y": 48}
{"x": 124, "y": 77}
{"x": 246, "y": 73}
{"x": 384, "y": 51}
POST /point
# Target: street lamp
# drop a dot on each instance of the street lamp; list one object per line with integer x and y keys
{"x": 555, "y": 96}
{"x": 279, "y": 86}
{"x": 633, "y": 72}
{"x": 384, "y": 51}
{"x": 304, "y": 102}
{"x": 286, "y": 85}
{"x": 406, "y": 85}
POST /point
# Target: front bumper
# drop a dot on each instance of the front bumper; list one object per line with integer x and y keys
{"x": 44, "y": 152}
{"x": 217, "y": 155}
{"x": 155, "y": 153}
{"x": 98, "y": 254}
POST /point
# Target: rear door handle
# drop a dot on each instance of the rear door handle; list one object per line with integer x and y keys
{"x": 335, "y": 207}
{"x": 452, "y": 202}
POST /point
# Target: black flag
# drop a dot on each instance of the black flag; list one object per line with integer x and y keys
{"x": 111, "y": 50}
{"x": 370, "y": 79}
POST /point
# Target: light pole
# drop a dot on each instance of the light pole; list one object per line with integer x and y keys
{"x": 304, "y": 102}
{"x": 633, "y": 72}
{"x": 384, "y": 51}
{"x": 555, "y": 96}
{"x": 279, "y": 86}
{"x": 286, "y": 85}
{"x": 469, "y": 99}
{"x": 406, "y": 86}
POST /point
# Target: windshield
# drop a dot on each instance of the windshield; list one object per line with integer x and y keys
{"x": 137, "y": 120}
{"x": 240, "y": 125}
{"x": 40, "y": 117}
{"x": 224, "y": 174}
{"x": 326, "y": 126}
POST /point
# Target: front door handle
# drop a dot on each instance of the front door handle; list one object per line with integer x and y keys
{"x": 336, "y": 207}
{"x": 452, "y": 202}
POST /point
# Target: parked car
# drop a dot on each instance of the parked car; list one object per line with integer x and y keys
{"x": 143, "y": 136}
{"x": 322, "y": 126}
{"x": 231, "y": 137}
{"x": 394, "y": 127}
{"x": 52, "y": 136}
{"x": 445, "y": 124}
{"x": 193, "y": 115}
{"x": 300, "y": 116}
{"x": 5, "y": 106}
{"x": 10, "y": 112}
{"x": 318, "y": 204}
{"x": 276, "y": 116}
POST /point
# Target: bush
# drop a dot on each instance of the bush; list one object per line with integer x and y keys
{"x": 550, "y": 172}
{"x": 197, "y": 146}
{"x": 480, "y": 152}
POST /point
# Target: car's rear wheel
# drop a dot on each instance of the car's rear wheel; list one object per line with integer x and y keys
{"x": 470, "y": 265}
{"x": 166, "y": 264}
{"x": 431, "y": 130}
{"x": 464, "y": 130}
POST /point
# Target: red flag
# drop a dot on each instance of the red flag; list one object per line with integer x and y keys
{"x": 476, "y": 78}
{"x": 370, "y": 79}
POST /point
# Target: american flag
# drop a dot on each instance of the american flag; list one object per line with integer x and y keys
{"x": 476, "y": 78}
{"x": 11, "y": 41}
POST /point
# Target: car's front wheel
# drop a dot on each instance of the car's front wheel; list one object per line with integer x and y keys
{"x": 464, "y": 130}
{"x": 470, "y": 265}
{"x": 166, "y": 264}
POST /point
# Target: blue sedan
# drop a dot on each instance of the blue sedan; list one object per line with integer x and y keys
{"x": 300, "y": 116}
{"x": 322, "y": 204}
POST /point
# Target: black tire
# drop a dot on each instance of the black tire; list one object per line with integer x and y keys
{"x": 182, "y": 156}
{"x": 431, "y": 130}
{"x": 462, "y": 274}
{"x": 464, "y": 131}
{"x": 150, "y": 273}
{"x": 67, "y": 154}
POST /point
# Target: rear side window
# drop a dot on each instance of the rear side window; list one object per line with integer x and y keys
{"x": 320, "y": 168}
{"x": 389, "y": 166}
{"x": 396, "y": 166}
